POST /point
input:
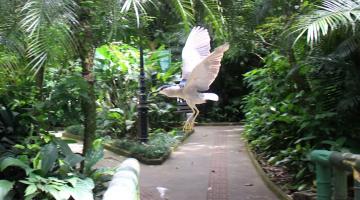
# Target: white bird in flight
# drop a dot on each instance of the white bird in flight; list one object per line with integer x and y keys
{"x": 200, "y": 68}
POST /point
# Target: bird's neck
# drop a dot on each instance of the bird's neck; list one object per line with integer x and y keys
{"x": 178, "y": 92}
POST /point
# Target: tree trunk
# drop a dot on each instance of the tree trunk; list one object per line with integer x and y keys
{"x": 86, "y": 54}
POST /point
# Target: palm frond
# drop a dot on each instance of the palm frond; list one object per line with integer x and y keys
{"x": 38, "y": 52}
{"x": 328, "y": 80}
{"x": 186, "y": 10}
{"x": 332, "y": 15}
{"x": 137, "y": 5}
{"x": 11, "y": 37}
{"x": 12, "y": 42}
{"x": 40, "y": 16}
{"x": 47, "y": 12}
{"x": 8, "y": 15}
{"x": 231, "y": 10}
{"x": 346, "y": 47}
{"x": 12, "y": 51}
{"x": 351, "y": 99}
{"x": 214, "y": 13}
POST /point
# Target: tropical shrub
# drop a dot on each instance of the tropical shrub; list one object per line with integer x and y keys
{"x": 284, "y": 123}
{"x": 45, "y": 168}
{"x": 63, "y": 102}
{"x": 117, "y": 71}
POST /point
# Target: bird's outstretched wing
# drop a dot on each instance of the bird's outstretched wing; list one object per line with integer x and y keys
{"x": 196, "y": 49}
{"x": 206, "y": 71}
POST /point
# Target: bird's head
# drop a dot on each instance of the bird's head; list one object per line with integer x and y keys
{"x": 169, "y": 90}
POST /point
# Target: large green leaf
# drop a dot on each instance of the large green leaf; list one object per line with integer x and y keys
{"x": 73, "y": 159}
{"x": 64, "y": 147}
{"x": 7, "y": 162}
{"x": 31, "y": 189}
{"x": 59, "y": 192}
{"x": 49, "y": 155}
{"x": 94, "y": 155}
{"x": 5, "y": 187}
{"x": 70, "y": 158}
{"x": 82, "y": 189}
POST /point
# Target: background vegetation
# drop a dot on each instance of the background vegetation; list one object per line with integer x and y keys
{"x": 292, "y": 75}
{"x": 304, "y": 95}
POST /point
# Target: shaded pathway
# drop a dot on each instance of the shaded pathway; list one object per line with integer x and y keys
{"x": 212, "y": 164}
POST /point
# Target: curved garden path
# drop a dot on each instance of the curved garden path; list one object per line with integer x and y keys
{"x": 212, "y": 164}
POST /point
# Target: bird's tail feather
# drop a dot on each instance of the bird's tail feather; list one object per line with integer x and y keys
{"x": 210, "y": 96}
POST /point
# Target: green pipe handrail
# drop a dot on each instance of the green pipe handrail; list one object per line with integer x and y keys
{"x": 332, "y": 169}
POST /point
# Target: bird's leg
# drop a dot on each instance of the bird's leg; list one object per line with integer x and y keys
{"x": 187, "y": 125}
{"x": 193, "y": 118}
{"x": 192, "y": 122}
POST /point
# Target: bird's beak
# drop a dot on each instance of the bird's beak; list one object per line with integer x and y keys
{"x": 160, "y": 89}
{"x": 154, "y": 93}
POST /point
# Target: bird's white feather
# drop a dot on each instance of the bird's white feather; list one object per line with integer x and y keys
{"x": 210, "y": 96}
{"x": 196, "y": 49}
{"x": 206, "y": 71}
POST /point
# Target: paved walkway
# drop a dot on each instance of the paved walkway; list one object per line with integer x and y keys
{"x": 212, "y": 164}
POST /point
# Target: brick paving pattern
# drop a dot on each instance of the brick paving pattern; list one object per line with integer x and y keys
{"x": 212, "y": 164}
{"x": 218, "y": 180}
{"x": 146, "y": 194}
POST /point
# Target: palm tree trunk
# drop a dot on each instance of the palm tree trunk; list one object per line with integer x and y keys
{"x": 86, "y": 54}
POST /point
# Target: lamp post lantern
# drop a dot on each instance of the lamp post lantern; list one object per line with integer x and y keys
{"x": 142, "y": 105}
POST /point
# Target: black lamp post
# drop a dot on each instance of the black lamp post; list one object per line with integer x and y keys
{"x": 142, "y": 105}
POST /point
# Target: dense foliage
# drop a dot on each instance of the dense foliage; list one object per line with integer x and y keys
{"x": 292, "y": 74}
{"x": 76, "y": 63}
{"x": 283, "y": 123}
{"x": 304, "y": 97}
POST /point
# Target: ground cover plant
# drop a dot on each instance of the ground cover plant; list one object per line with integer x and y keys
{"x": 160, "y": 144}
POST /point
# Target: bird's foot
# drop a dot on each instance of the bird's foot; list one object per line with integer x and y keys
{"x": 188, "y": 126}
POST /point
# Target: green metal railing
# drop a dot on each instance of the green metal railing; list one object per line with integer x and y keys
{"x": 332, "y": 169}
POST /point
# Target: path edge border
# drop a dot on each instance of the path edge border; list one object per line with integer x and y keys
{"x": 271, "y": 185}
{"x": 220, "y": 124}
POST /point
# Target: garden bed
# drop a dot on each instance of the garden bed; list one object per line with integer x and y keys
{"x": 155, "y": 152}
